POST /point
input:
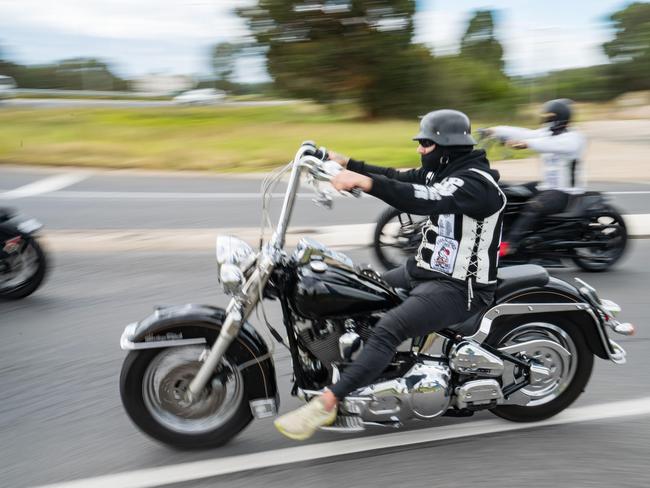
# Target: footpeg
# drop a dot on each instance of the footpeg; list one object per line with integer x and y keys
{"x": 346, "y": 424}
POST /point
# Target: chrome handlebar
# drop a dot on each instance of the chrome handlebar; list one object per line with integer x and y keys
{"x": 325, "y": 170}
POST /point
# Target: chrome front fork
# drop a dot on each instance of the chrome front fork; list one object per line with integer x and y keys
{"x": 239, "y": 308}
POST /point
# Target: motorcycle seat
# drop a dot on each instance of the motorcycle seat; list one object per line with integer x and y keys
{"x": 508, "y": 280}
{"x": 513, "y": 278}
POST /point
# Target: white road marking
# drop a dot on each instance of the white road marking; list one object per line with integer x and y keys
{"x": 191, "y": 471}
{"x": 46, "y": 185}
{"x": 626, "y": 192}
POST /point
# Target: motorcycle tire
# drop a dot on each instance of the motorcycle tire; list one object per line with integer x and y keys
{"x": 379, "y": 246}
{"x": 602, "y": 262}
{"x": 175, "y": 430}
{"x": 31, "y": 284}
{"x": 574, "y": 339}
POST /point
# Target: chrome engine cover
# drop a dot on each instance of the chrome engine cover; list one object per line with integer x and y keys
{"x": 423, "y": 392}
{"x": 478, "y": 393}
{"x": 471, "y": 359}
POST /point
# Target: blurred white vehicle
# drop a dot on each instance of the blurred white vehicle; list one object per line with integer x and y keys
{"x": 7, "y": 85}
{"x": 203, "y": 96}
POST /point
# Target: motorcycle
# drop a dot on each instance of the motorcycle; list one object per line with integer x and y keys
{"x": 590, "y": 232}
{"x": 23, "y": 263}
{"x": 196, "y": 375}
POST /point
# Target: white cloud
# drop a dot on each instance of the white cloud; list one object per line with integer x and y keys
{"x": 174, "y": 35}
{"x": 529, "y": 47}
{"x": 130, "y": 19}
{"x": 440, "y": 29}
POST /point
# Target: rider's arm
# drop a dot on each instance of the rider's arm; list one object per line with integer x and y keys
{"x": 468, "y": 193}
{"x": 516, "y": 133}
{"x": 565, "y": 143}
{"x": 408, "y": 176}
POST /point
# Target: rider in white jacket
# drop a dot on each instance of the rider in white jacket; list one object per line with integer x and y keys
{"x": 562, "y": 151}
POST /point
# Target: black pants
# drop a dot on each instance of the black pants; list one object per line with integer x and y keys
{"x": 545, "y": 202}
{"x": 432, "y": 305}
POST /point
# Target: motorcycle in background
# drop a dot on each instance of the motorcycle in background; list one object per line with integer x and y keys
{"x": 590, "y": 232}
{"x": 23, "y": 263}
{"x": 196, "y": 375}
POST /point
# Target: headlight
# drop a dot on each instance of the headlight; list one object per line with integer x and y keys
{"x": 234, "y": 257}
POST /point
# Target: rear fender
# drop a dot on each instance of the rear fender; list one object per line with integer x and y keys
{"x": 569, "y": 303}
{"x": 200, "y": 324}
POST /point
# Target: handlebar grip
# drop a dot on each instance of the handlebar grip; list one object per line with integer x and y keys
{"x": 320, "y": 153}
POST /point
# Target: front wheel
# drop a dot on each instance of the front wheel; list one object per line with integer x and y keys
{"x": 153, "y": 385}
{"x": 22, "y": 271}
{"x": 397, "y": 237}
{"x": 568, "y": 377}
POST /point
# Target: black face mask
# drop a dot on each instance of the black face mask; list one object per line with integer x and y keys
{"x": 435, "y": 160}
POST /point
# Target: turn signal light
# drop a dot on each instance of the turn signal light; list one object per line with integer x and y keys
{"x": 625, "y": 328}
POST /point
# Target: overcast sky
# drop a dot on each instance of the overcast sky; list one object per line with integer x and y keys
{"x": 173, "y": 36}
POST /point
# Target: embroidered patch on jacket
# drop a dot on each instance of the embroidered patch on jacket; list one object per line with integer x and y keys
{"x": 446, "y": 225}
{"x": 444, "y": 254}
{"x": 445, "y": 188}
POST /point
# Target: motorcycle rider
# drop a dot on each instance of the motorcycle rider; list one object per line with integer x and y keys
{"x": 562, "y": 151}
{"x": 453, "y": 274}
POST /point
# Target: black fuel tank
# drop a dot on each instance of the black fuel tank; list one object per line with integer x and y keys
{"x": 326, "y": 288}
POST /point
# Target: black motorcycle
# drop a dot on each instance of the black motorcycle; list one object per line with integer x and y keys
{"x": 590, "y": 232}
{"x": 196, "y": 375}
{"x": 23, "y": 263}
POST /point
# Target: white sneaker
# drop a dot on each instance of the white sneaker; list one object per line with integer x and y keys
{"x": 300, "y": 424}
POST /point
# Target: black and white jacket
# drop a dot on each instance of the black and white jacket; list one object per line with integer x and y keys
{"x": 464, "y": 203}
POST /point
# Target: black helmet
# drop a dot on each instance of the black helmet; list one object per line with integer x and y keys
{"x": 446, "y": 128}
{"x": 557, "y": 113}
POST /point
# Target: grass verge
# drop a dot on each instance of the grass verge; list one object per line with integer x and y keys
{"x": 205, "y": 138}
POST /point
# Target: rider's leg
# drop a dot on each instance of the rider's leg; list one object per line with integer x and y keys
{"x": 545, "y": 203}
{"x": 431, "y": 306}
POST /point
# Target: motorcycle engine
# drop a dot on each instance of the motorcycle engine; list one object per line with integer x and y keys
{"x": 330, "y": 340}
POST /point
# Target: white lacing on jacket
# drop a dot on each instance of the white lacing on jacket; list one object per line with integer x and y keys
{"x": 471, "y": 270}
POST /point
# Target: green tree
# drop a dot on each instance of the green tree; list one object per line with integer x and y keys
{"x": 479, "y": 42}
{"x": 342, "y": 49}
{"x": 629, "y": 51}
{"x": 224, "y": 57}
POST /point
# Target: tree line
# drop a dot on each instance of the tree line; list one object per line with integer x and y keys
{"x": 363, "y": 51}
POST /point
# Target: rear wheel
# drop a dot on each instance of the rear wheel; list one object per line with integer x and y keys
{"x": 607, "y": 226}
{"x": 569, "y": 374}
{"x": 397, "y": 237}
{"x": 153, "y": 385}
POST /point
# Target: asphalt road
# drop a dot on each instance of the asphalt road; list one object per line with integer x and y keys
{"x": 126, "y": 200}
{"x": 61, "y": 417}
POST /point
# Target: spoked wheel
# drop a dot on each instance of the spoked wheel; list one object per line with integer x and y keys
{"x": 561, "y": 348}
{"x": 397, "y": 237}
{"x": 22, "y": 271}
{"x": 609, "y": 227}
{"x": 153, "y": 385}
